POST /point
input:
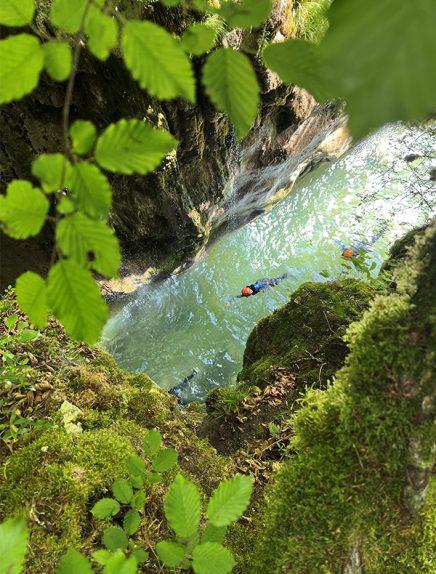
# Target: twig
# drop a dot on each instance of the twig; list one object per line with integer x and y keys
{"x": 66, "y": 117}
{"x": 71, "y": 79}
{"x": 319, "y": 374}
{"x": 328, "y": 323}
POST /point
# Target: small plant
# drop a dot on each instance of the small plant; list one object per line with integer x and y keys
{"x": 129, "y": 499}
{"x": 196, "y": 547}
{"x": 13, "y": 381}
{"x": 199, "y": 548}
{"x": 309, "y": 20}
{"x": 228, "y": 402}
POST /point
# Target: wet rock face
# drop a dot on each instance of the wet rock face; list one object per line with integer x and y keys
{"x": 147, "y": 211}
{"x": 163, "y": 218}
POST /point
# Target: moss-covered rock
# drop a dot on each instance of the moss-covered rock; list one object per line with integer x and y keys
{"x": 399, "y": 251}
{"x": 305, "y": 335}
{"x": 55, "y": 476}
{"x": 300, "y": 345}
{"x": 356, "y": 494}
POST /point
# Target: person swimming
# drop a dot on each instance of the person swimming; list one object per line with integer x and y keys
{"x": 259, "y": 284}
{"x": 353, "y": 250}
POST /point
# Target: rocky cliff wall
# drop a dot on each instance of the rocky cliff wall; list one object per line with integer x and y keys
{"x": 164, "y": 217}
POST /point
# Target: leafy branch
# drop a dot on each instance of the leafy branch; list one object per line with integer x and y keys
{"x": 199, "y": 548}
{"x": 366, "y": 75}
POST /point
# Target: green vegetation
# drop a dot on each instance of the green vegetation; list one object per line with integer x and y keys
{"x": 355, "y": 483}
{"x": 305, "y": 335}
{"x": 163, "y": 66}
{"x": 80, "y": 190}
{"x": 206, "y": 555}
{"x": 363, "y": 448}
{"x": 84, "y": 428}
{"x": 308, "y": 19}
{"x": 355, "y": 61}
{"x": 203, "y": 551}
{"x": 131, "y": 492}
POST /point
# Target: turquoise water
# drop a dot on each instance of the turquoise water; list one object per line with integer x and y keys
{"x": 191, "y": 321}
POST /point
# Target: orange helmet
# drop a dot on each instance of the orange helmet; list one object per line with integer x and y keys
{"x": 246, "y": 291}
{"x": 347, "y": 253}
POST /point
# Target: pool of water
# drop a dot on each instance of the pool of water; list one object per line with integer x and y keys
{"x": 193, "y": 325}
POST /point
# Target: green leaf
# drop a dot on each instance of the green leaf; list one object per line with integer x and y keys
{"x": 245, "y": 14}
{"x": 138, "y": 500}
{"x": 91, "y": 190}
{"x": 380, "y": 58}
{"x": 53, "y": 170}
{"x": 134, "y": 465}
{"x": 28, "y": 335}
{"x": 16, "y": 12}
{"x": 140, "y": 555}
{"x": 122, "y": 490}
{"x": 13, "y": 545}
{"x": 31, "y": 292}
{"x": 83, "y": 135}
{"x": 73, "y": 562}
{"x": 136, "y": 481}
{"x": 171, "y": 3}
{"x": 11, "y": 321}
{"x": 68, "y": 14}
{"x": 22, "y": 60}
{"x": 214, "y": 533}
{"x": 198, "y": 39}
{"x": 231, "y": 84}
{"x": 157, "y": 61}
{"x": 66, "y": 205}
{"x": 78, "y": 236}
{"x": 76, "y": 301}
{"x": 183, "y": 507}
{"x": 164, "y": 460}
{"x": 102, "y": 31}
{"x": 212, "y": 558}
{"x": 105, "y": 507}
{"x": 170, "y": 553}
{"x": 152, "y": 442}
{"x": 154, "y": 478}
{"x": 131, "y": 146}
{"x": 114, "y": 537}
{"x": 119, "y": 564}
{"x": 299, "y": 62}
{"x": 229, "y": 500}
{"x": 131, "y": 522}
{"x": 23, "y": 210}
{"x": 57, "y": 60}
{"x": 102, "y": 556}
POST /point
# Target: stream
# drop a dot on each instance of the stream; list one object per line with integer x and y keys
{"x": 192, "y": 325}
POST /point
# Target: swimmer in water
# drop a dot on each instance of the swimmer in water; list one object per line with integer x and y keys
{"x": 259, "y": 284}
{"x": 353, "y": 250}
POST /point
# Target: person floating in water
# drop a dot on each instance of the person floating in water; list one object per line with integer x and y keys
{"x": 259, "y": 284}
{"x": 353, "y": 250}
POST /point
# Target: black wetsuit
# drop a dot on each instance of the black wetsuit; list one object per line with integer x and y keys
{"x": 265, "y": 283}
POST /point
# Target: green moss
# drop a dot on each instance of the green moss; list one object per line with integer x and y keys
{"x": 358, "y": 447}
{"x": 305, "y": 335}
{"x": 56, "y": 479}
